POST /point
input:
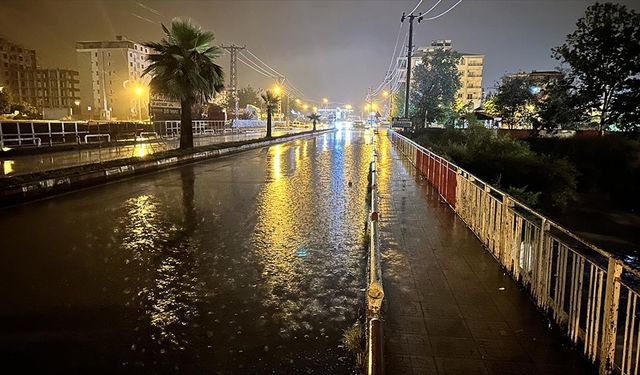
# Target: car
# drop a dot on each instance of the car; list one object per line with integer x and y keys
{"x": 358, "y": 124}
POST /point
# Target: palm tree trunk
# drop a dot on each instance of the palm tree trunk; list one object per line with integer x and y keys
{"x": 314, "y": 125}
{"x": 268, "y": 123}
{"x": 186, "y": 124}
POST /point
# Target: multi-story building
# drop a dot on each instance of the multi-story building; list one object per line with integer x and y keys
{"x": 47, "y": 88}
{"x": 470, "y": 68}
{"x": 51, "y": 91}
{"x": 14, "y": 57}
{"x": 111, "y": 82}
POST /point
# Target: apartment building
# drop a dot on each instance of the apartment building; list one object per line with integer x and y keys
{"x": 470, "y": 68}
{"x": 111, "y": 82}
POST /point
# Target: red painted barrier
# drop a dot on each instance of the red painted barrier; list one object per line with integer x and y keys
{"x": 440, "y": 173}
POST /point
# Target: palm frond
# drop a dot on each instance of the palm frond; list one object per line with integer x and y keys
{"x": 182, "y": 65}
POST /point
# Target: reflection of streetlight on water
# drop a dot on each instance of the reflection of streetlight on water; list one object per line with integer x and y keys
{"x": 138, "y": 90}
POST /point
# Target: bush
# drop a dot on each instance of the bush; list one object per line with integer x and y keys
{"x": 543, "y": 182}
{"x": 608, "y": 165}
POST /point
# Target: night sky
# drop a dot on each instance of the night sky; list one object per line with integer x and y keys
{"x": 326, "y": 48}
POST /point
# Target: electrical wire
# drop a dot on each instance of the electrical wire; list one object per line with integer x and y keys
{"x": 247, "y": 64}
{"x": 264, "y": 71}
{"x": 443, "y": 13}
{"x": 416, "y": 7}
{"x": 270, "y": 68}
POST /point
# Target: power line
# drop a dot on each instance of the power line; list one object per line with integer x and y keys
{"x": 443, "y": 13}
{"x": 416, "y": 7}
{"x": 434, "y": 5}
{"x": 250, "y": 66}
{"x": 273, "y": 70}
{"x": 256, "y": 67}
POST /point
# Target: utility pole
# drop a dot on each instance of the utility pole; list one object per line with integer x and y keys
{"x": 411, "y": 17}
{"x": 233, "y": 73}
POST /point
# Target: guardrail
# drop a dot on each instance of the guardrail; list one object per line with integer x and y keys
{"x": 588, "y": 292}
{"x": 375, "y": 290}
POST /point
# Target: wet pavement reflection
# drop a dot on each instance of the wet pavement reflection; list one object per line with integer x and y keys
{"x": 18, "y": 165}
{"x": 248, "y": 264}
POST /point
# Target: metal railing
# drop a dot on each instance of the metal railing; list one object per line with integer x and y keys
{"x": 588, "y": 292}
{"x": 375, "y": 291}
{"x": 32, "y": 133}
{"x": 200, "y": 127}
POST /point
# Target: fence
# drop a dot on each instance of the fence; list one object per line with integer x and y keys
{"x": 200, "y": 127}
{"x": 589, "y": 293}
{"x": 19, "y": 133}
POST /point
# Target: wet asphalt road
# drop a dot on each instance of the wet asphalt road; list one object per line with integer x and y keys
{"x": 247, "y": 264}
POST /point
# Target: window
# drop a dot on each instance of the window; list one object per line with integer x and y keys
{"x": 131, "y": 64}
{"x": 469, "y": 96}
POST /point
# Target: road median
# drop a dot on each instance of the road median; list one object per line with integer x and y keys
{"x": 23, "y": 188}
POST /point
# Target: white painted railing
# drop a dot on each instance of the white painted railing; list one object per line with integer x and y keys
{"x": 588, "y": 292}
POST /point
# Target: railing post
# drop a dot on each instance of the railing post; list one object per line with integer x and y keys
{"x": 610, "y": 321}
{"x": 543, "y": 265}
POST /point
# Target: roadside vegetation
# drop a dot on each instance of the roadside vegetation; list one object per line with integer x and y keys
{"x": 537, "y": 180}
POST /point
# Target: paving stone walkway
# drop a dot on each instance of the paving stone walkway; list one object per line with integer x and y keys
{"x": 450, "y": 309}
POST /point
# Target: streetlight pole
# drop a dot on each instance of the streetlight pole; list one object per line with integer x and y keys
{"x": 411, "y": 17}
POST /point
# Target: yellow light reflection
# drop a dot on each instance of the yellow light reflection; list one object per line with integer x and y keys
{"x": 7, "y": 167}
{"x": 276, "y": 167}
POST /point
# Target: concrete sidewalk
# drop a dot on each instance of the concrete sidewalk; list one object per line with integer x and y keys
{"x": 449, "y": 307}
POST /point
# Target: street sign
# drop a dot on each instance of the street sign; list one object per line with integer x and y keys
{"x": 401, "y": 122}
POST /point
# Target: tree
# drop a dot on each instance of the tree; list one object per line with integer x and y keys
{"x": 436, "y": 82}
{"x": 271, "y": 101}
{"x": 604, "y": 55}
{"x": 25, "y": 111}
{"x": 5, "y": 101}
{"x": 515, "y": 99}
{"x": 246, "y": 95}
{"x": 397, "y": 109}
{"x": 625, "y": 108}
{"x": 557, "y": 104}
{"x": 314, "y": 117}
{"x": 183, "y": 68}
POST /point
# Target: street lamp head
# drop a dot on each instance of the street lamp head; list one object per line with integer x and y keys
{"x": 325, "y": 100}
{"x": 298, "y": 101}
{"x": 348, "y": 106}
{"x": 385, "y": 93}
{"x": 315, "y": 109}
{"x": 77, "y": 103}
{"x": 277, "y": 90}
{"x": 138, "y": 90}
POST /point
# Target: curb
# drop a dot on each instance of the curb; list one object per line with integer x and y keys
{"x": 22, "y": 193}
{"x": 375, "y": 290}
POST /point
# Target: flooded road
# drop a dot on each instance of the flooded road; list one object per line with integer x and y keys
{"x": 247, "y": 264}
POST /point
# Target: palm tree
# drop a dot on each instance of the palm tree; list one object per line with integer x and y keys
{"x": 183, "y": 69}
{"x": 271, "y": 101}
{"x": 315, "y": 118}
